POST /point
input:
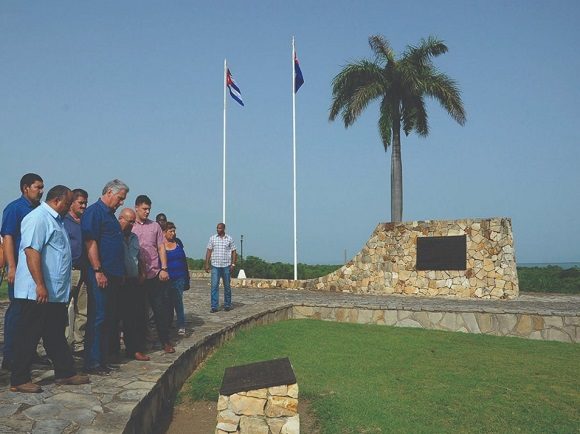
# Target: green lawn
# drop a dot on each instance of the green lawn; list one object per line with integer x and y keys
{"x": 378, "y": 379}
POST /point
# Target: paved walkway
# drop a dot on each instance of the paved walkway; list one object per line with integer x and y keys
{"x": 106, "y": 405}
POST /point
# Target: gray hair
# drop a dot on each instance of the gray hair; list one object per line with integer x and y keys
{"x": 116, "y": 185}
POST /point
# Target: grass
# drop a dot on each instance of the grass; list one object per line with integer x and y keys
{"x": 376, "y": 379}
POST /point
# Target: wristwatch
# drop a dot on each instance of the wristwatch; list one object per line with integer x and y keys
{"x": 98, "y": 270}
{"x": 164, "y": 269}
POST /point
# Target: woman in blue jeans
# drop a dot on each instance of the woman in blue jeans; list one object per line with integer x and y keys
{"x": 178, "y": 273}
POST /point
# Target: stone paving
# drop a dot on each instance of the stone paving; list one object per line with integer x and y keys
{"x": 133, "y": 397}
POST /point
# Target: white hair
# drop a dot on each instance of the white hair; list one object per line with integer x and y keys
{"x": 116, "y": 185}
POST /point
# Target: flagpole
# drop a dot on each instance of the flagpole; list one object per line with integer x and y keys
{"x": 294, "y": 157}
{"x": 224, "y": 162}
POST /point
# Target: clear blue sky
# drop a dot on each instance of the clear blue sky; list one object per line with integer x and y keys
{"x": 90, "y": 91}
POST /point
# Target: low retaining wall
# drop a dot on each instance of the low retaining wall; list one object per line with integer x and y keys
{"x": 387, "y": 263}
{"x": 563, "y": 328}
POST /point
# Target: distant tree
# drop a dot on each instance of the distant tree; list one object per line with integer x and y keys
{"x": 401, "y": 85}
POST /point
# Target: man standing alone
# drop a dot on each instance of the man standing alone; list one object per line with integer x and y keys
{"x": 104, "y": 244}
{"x": 222, "y": 252}
{"x": 41, "y": 290}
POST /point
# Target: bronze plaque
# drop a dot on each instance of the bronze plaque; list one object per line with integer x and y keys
{"x": 259, "y": 375}
{"x": 442, "y": 253}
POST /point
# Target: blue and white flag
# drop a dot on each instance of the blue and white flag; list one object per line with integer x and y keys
{"x": 233, "y": 88}
{"x": 298, "y": 78}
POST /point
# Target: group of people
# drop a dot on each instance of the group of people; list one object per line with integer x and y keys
{"x": 131, "y": 269}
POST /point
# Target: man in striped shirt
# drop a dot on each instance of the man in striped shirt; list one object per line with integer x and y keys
{"x": 222, "y": 252}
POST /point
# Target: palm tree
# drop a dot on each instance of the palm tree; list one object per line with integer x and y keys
{"x": 401, "y": 85}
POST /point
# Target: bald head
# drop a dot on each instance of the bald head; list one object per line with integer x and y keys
{"x": 127, "y": 219}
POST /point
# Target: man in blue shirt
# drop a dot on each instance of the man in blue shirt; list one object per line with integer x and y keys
{"x": 104, "y": 243}
{"x": 77, "y": 311}
{"x": 41, "y": 290}
{"x": 32, "y": 187}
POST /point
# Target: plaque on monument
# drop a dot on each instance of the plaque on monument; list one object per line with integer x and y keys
{"x": 258, "y": 375}
{"x": 442, "y": 253}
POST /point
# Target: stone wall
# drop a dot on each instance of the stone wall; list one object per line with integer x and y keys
{"x": 540, "y": 326}
{"x": 272, "y": 410}
{"x": 387, "y": 263}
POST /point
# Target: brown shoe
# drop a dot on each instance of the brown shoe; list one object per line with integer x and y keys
{"x": 141, "y": 357}
{"x": 168, "y": 348}
{"x": 74, "y": 380}
{"x": 26, "y": 388}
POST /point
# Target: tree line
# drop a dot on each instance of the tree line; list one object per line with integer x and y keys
{"x": 255, "y": 267}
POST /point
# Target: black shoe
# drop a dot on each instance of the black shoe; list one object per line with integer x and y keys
{"x": 213, "y": 310}
{"x": 227, "y": 308}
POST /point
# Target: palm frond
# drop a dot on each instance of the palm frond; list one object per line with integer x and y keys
{"x": 386, "y": 122}
{"x": 414, "y": 115}
{"x": 421, "y": 54}
{"x": 353, "y": 88}
{"x": 446, "y": 91}
{"x": 382, "y": 48}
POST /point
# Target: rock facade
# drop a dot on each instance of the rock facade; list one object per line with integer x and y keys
{"x": 387, "y": 263}
{"x": 273, "y": 410}
{"x": 541, "y": 326}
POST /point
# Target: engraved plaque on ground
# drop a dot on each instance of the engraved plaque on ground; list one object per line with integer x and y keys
{"x": 259, "y": 375}
{"x": 442, "y": 253}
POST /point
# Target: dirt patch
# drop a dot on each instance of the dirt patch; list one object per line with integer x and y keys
{"x": 199, "y": 417}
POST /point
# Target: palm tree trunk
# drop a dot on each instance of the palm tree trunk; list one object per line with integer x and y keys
{"x": 396, "y": 175}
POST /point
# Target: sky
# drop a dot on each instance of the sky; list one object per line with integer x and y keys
{"x": 92, "y": 91}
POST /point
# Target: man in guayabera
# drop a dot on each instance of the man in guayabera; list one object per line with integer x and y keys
{"x": 42, "y": 291}
{"x": 77, "y": 311}
{"x": 222, "y": 252}
{"x": 104, "y": 243}
{"x": 154, "y": 257}
{"x": 32, "y": 187}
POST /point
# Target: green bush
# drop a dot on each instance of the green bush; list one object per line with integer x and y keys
{"x": 551, "y": 279}
{"x": 255, "y": 267}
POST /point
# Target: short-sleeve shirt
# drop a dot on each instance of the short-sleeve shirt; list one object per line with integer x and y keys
{"x": 100, "y": 224}
{"x": 131, "y": 245}
{"x": 12, "y": 217}
{"x": 150, "y": 237}
{"x": 222, "y": 248}
{"x": 75, "y": 235}
{"x": 43, "y": 230}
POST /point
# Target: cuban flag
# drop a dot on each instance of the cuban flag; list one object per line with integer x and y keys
{"x": 298, "y": 78}
{"x": 233, "y": 88}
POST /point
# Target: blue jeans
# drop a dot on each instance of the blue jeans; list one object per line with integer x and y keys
{"x": 177, "y": 288}
{"x": 10, "y": 322}
{"x": 224, "y": 273}
{"x": 101, "y": 311}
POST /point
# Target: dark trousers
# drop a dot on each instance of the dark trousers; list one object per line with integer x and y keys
{"x": 101, "y": 311}
{"x": 160, "y": 302}
{"x": 131, "y": 313}
{"x": 35, "y": 321}
{"x": 10, "y": 320}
